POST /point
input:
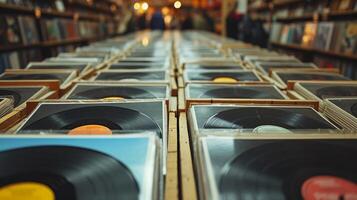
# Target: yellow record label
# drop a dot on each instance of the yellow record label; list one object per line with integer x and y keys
{"x": 113, "y": 98}
{"x": 224, "y": 80}
{"x": 26, "y": 191}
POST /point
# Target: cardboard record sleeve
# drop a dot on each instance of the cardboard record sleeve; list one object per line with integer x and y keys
{"x": 140, "y": 179}
{"x": 223, "y": 162}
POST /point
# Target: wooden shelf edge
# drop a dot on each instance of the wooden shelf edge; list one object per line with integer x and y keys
{"x": 313, "y": 50}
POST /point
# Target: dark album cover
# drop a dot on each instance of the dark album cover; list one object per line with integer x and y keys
{"x": 231, "y": 66}
{"x": 220, "y": 75}
{"x": 347, "y": 104}
{"x": 137, "y": 65}
{"x": 20, "y": 94}
{"x": 257, "y": 118}
{"x": 267, "y": 66}
{"x": 37, "y": 75}
{"x": 81, "y": 67}
{"x": 279, "y": 169}
{"x": 132, "y": 76}
{"x": 115, "y": 91}
{"x": 328, "y": 90}
{"x": 81, "y": 168}
{"x": 73, "y": 116}
{"x": 233, "y": 91}
{"x": 286, "y": 76}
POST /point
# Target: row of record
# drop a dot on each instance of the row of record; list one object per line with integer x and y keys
{"x": 218, "y": 78}
{"x": 288, "y": 134}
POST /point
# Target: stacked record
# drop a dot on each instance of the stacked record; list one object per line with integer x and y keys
{"x": 320, "y": 90}
{"x": 100, "y": 96}
{"x": 343, "y": 111}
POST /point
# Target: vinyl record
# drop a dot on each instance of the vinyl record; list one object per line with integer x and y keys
{"x": 30, "y": 77}
{"x": 136, "y": 66}
{"x": 251, "y": 118}
{"x": 212, "y": 76}
{"x": 112, "y": 92}
{"x": 12, "y": 94}
{"x": 71, "y": 173}
{"x": 245, "y": 93}
{"x": 154, "y": 76}
{"x": 282, "y": 170}
{"x": 19, "y": 94}
{"x": 112, "y": 117}
{"x": 317, "y": 77}
{"x": 336, "y": 91}
{"x": 348, "y": 105}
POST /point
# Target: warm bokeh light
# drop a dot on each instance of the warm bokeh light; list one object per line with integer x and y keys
{"x": 177, "y": 4}
{"x": 137, "y": 6}
{"x": 165, "y": 10}
{"x": 144, "y": 6}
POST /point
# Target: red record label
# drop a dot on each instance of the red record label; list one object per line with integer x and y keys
{"x": 329, "y": 188}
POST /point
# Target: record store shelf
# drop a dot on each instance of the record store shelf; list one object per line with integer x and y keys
{"x": 177, "y": 119}
{"x": 309, "y": 50}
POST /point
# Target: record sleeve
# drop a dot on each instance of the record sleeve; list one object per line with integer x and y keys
{"x": 254, "y": 168}
{"x": 80, "y": 168}
{"x": 80, "y": 67}
{"x": 222, "y": 66}
{"x": 63, "y": 76}
{"x": 220, "y": 76}
{"x": 257, "y": 119}
{"x": 133, "y": 76}
{"x": 343, "y": 111}
{"x": 67, "y": 116}
{"x": 323, "y": 90}
{"x": 137, "y": 65}
{"x": 21, "y": 94}
{"x": 117, "y": 91}
{"x": 284, "y": 77}
{"x": 266, "y": 67}
{"x": 212, "y": 91}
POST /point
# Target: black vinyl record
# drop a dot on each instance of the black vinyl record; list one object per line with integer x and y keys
{"x": 211, "y": 76}
{"x": 108, "y": 92}
{"x": 112, "y": 117}
{"x": 348, "y": 105}
{"x": 336, "y": 91}
{"x": 278, "y": 170}
{"x": 250, "y": 118}
{"x": 153, "y": 76}
{"x": 245, "y": 93}
{"x": 72, "y": 173}
{"x": 20, "y": 95}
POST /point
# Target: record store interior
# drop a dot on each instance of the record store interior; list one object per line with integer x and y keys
{"x": 178, "y": 99}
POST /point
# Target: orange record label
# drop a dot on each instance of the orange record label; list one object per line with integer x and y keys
{"x": 329, "y": 188}
{"x": 90, "y": 130}
{"x": 26, "y": 190}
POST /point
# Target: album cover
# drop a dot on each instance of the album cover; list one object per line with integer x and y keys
{"x": 323, "y": 90}
{"x": 284, "y": 77}
{"x": 220, "y": 76}
{"x": 28, "y": 30}
{"x": 343, "y": 111}
{"x": 214, "y": 66}
{"x": 21, "y": 94}
{"x": 349, "y": 38}
{"x": 214, "y": 91}
{"x": 63, "y": 76}
{"x": 68, "y": 117}
{"x": 266, "y": 67}
{"x": 309, "y": 34}
{"x": 6, "y": 105}
{"x": 324, "y": 35}
{"x": 80, "y": 67}
{"x": 133, "y": 76}
{"x": 109, "y": 91}
{"x": 257, "y": 119}
{"x": 83, "y": 168}
{"x": 11, "y": 30}
{"x": 138, "y": 65}
{"x": 279, "y": 169}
